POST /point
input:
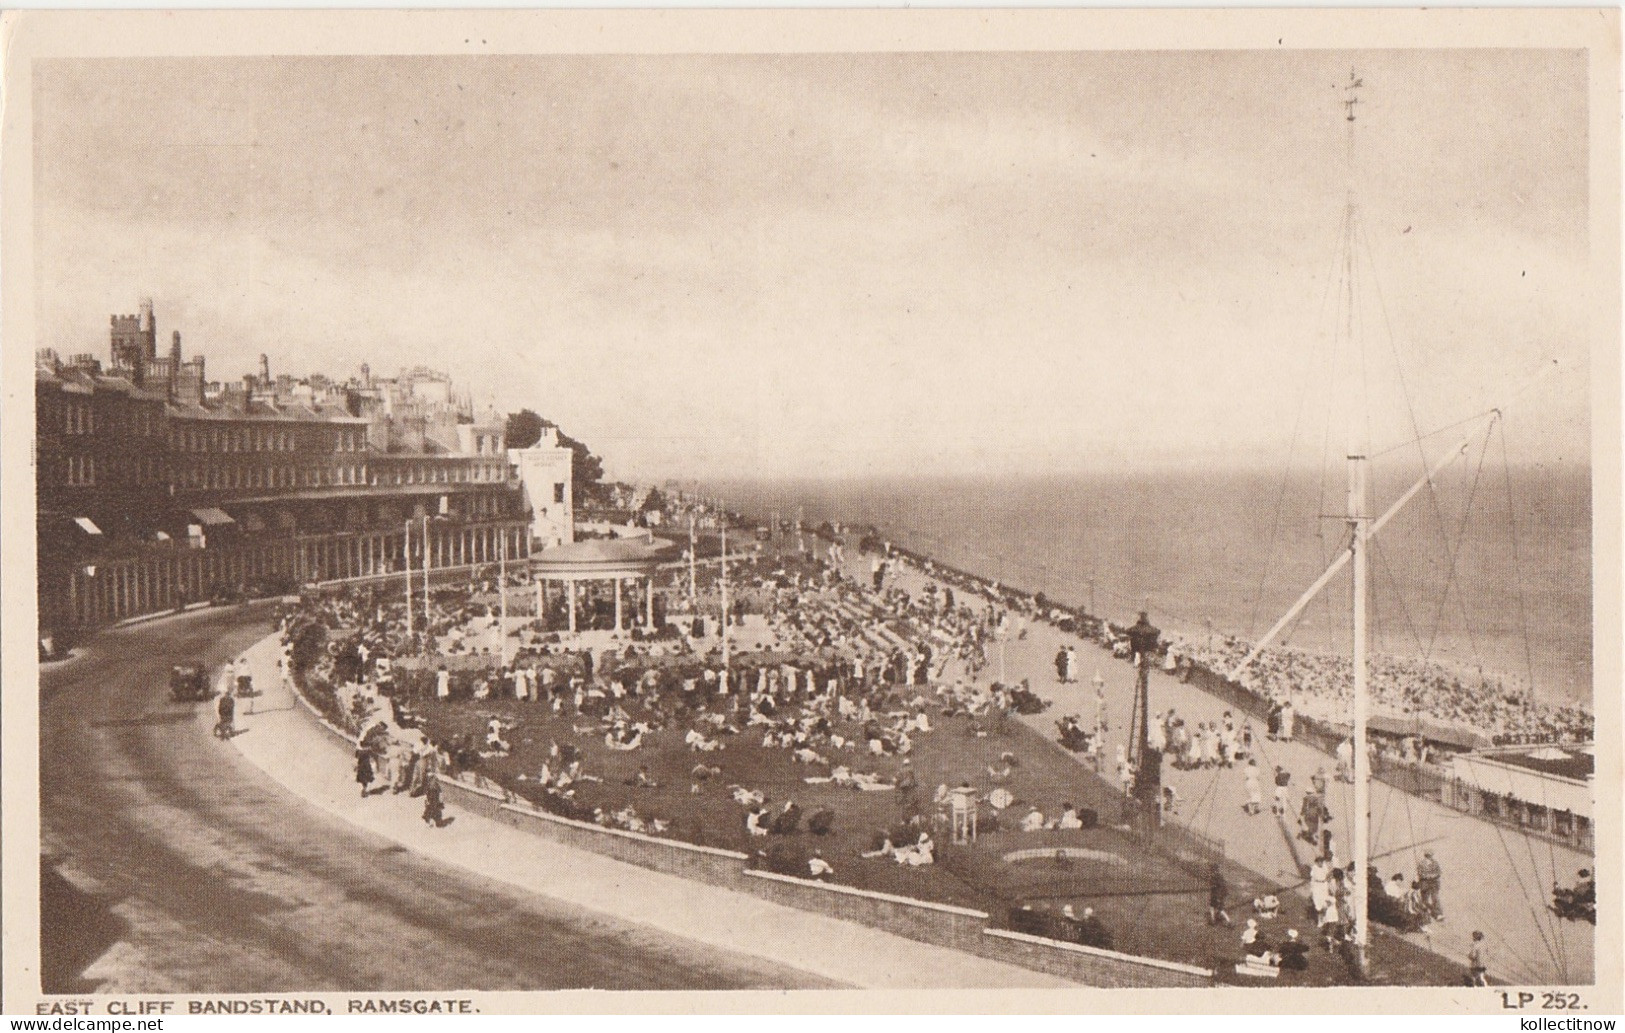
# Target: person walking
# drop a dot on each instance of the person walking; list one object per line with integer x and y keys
{"x": 434, "y": 808}
{"x": 1310, "y": 815}
{"x": 1478, "y": 961}
{"x": 363, "y": 769}
{"x": 1320, "y": 885}
{"x": 1345, "y": 761}
{"x": 1429, "y": 878}
{"x": 1217, "y": 892}
{"x": 226, "y": 727}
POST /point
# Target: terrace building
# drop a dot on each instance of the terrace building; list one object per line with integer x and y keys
{"x": 157, "y": 487}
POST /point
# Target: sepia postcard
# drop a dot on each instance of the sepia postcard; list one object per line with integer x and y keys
{"x": 811, "y": 511}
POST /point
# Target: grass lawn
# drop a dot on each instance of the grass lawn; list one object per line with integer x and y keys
{"x": 1151, "y": 904}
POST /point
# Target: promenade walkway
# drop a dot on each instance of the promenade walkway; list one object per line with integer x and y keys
{"x": 285, "y": 740}
{"x": 1496, "y": 879}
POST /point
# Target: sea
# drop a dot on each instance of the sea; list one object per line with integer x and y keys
{"x": 1488, "y": 570}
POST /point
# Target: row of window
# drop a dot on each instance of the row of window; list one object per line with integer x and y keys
{"x": 271, "y": 476}
{"x": 265, "y": 439}
{"x": 81, "y": 471}
{"x": 80, "y": 418}
{"x": 439, "y": 473}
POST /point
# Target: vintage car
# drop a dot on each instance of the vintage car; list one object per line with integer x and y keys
{"x": 189, "y": 682}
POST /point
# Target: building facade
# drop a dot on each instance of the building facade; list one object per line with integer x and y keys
{"x": 157, "y": 488}
{"x": 544, "y": 472}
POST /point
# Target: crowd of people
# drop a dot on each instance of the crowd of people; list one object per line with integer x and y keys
{"x": 1308, "y": 683}
{"x": 1322, "y": 686}
{"x": 843, "y": 676}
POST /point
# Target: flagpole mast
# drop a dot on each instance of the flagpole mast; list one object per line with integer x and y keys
{"x": 1359, "y": 522}
{"x": 1359, "y": 525}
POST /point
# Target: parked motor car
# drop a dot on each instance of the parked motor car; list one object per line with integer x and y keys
{"x": 189, "y": 683}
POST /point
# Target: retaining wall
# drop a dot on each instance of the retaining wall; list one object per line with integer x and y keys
{"x": 674, "y": 857}
{"x": 942, "y": 925}
{"x": 1088, "y": 965}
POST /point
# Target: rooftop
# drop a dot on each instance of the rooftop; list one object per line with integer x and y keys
{"x": 294, "y": 412}
{"x": 1574, "y": 762}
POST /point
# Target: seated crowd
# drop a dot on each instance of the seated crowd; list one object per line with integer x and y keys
{"x": 844, "y": 675}
{"x": 1322, "y": 686}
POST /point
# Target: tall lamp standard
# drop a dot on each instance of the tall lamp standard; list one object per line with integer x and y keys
{"x": 1145, "y": 640}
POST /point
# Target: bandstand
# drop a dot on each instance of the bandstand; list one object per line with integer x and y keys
{"x": 617, "y": 560}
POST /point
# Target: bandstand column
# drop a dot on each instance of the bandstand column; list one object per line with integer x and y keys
{"x": 570, "y": 590}
{"x": 617, "y": 604}
{"x": 649, "y": 605}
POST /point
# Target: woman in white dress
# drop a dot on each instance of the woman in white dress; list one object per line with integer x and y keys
{"x": 1320, "y": 889}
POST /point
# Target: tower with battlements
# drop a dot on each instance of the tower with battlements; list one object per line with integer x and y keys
{"x": 135, "y": 343}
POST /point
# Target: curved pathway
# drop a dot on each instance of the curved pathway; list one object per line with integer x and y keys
{"x": 177, "y": 863}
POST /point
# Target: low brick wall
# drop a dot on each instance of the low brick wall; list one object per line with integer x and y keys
{"x": 941, "y": 924}
{"x": 700, "y": 863}
{"x": 1090, "y": 966}
{"x": 487, "y": 803}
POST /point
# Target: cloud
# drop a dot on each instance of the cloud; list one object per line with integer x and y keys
{"x": 840, "y": 263}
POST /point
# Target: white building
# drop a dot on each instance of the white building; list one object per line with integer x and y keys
{"x": 544, "y": 473}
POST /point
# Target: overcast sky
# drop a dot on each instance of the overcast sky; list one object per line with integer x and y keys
{"x": 839, "y": 264}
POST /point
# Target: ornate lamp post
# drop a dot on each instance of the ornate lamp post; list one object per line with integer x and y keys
{"x": 1145, "y": 640}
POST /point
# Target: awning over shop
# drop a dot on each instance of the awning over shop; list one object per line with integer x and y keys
{"x": 1455, "y": 736}
{"x": 87, "y": 525}
{"x": 212, "y": 517}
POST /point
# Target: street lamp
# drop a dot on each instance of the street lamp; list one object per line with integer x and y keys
{"x": 1144, "y": 641}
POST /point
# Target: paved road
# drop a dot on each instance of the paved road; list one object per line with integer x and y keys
{"x": 171, "y": 864}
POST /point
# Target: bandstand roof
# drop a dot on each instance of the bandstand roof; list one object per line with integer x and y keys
{"x": 601, "y": 559}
